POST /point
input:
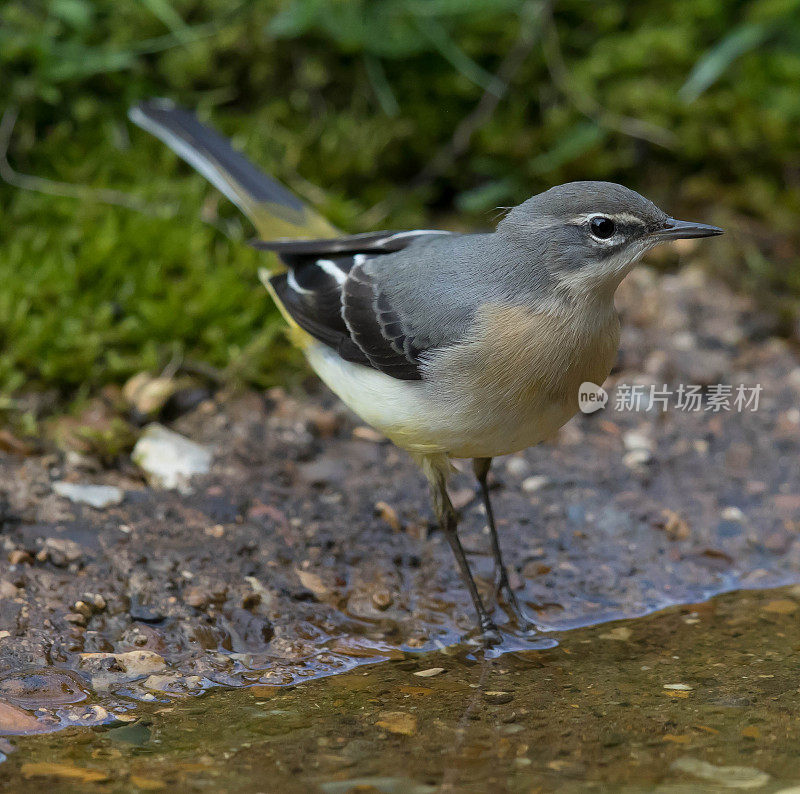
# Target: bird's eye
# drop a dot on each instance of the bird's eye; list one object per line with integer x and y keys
{"x": 601, "y": 227}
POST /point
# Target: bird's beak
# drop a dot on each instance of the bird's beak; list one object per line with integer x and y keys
{"x": 684, "y": 230}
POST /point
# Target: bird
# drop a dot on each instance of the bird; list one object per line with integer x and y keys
{"x": 452, "y": 345}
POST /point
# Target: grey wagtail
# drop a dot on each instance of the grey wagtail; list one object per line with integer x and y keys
{"x": 451, "y": 345}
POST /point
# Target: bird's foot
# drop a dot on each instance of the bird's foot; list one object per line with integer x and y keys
{"x": 503, "y": 588}
{"x": 490, "y": 634}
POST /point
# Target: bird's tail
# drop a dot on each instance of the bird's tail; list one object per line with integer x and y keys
{"x": 274, "y": 211}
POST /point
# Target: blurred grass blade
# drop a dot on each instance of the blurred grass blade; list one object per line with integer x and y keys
{"x": 574, "y": 142}
{"x": 381, "y": 86}
{"x": 455, "y": 56}
{"x": 163, "y": 10}
{"x": 713, "y": 63}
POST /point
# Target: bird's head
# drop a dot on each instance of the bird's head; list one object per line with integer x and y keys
{"x": 588, "y": 235}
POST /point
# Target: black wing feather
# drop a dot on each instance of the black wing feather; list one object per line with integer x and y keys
{"x": 330, "y": 294}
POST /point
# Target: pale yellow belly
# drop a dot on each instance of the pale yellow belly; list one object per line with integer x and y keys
{"x": 457, "y": 416}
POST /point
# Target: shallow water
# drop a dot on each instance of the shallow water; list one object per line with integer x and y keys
{"x": 695, "y": 699}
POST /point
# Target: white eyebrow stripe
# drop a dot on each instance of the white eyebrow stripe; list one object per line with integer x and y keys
{"x": 623, "y": 217}
{"x": 332, "y": 269}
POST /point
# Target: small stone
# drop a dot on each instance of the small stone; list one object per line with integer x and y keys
{"x": 168, "y": 459}
{"x": 732, "y": 514}
{"x": 8, "y": 589}
{"x": 517, "y": 467}
{"x": 430, "y": 672}
{"x": 82, "y": 608}
{"x": 535, "y": 483}
{"x": 620, "y": 633}
{"x": 160, "y": 682}
{"x": 131, "y": 663}
{"x": 148, "y": 394}
{"x": 382, "y": 599}
{"x": 312, "y": 581}
{"x": 780, "y": 606}
{"x": 400, "y": 722}
{"x": 743, "y": 777}
{"x": 76, "y": 618}
{"x": 62, "y": 551}
{"x": 637, "y": 458}
{"x": 675, "y": 527}
{"x": 63, "y": 772}
{"x": 96, "y": 600}
{"x": 389, "y": 515}
{"x": 196, "y": 597}
{"x": 19, "y": 556}
{"x": 364, "y": 433}
{"x": 323, "y": 423}
{"x": 497, "y": 697}
{"x": 678, "y": 687}
{"x": 146, "y": 783}
{"x": 462, "y": 497}
{"x": 97, "y": 496}
{"x": 634, "y": 440}
{"x": 14, "y": 721}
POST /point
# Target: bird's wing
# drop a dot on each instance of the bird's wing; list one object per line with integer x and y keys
{"x": 329, "y": 292}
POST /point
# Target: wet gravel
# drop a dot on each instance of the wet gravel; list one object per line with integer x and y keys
{"x": 309, "y": 547}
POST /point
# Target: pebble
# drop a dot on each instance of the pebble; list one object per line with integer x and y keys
{"x": 675, "y": 527}
{"x": 535, "y": 483}
{"x": 732, "y": 514}
{"x": 620, "y": 633}
{"x": 148, "y": 394}
{"x": 679, "y": 687}
{"x": 38, "y": 687}
{"x": 15, "y": 721}
{"x": 97, "y": 601}
{"x": 389, "y": 515}
{"x": 430, "y": 672}
{"x": 160, "y": 682}
{"x": 780, "y": 606}
{"x": 634, "y": 440}
{"x": 497, "y": 697}
{"x": 382, "y": 599}
{"x": 63, "y": 771}
{"x": 168, "y": 459}
{"x": 517, "y": 467}
{"x": 97, "y": 496}
{"x": 18, "y": 556}
{"x": 637, "y": 458}
{"x": 61, "y": 551}
{"x": 130, "y": 664}
{"x": 400, "y": 722}
{"x": 324, "y": 423}
{"x": 364, "y": 433}
{"x": 742, "y": 777}
{"x": 82, "y": 608}
{"x": 196, "y": 597}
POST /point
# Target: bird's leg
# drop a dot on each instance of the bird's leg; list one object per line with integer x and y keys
{"x": 501, "y": 582}
{"x": 448, "y": 522}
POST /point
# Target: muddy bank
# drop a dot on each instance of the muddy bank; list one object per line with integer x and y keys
{"x": 308, "y": 547}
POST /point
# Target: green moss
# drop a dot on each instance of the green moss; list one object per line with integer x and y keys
{"x": 356, "y": 98}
